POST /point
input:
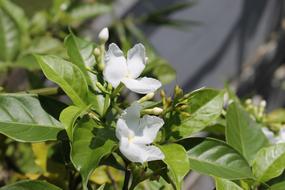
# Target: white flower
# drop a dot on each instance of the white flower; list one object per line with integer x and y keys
{"x": 136, "y": 134}
{"x": 119, "y": 69}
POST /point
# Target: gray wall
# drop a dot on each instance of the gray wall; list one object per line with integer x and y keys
{"x": 228, "y": 35}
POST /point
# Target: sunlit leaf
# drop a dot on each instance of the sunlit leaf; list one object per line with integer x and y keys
{"x": 243, "y": 133}
{"x": 214, "y": 157}
{"x": 269, "y": 162}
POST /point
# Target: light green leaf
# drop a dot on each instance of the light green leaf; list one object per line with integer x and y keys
{"x": 68, "y": 76}
{"x": 30, "y": 185}
{"x": 23, "y": 119}
{"x": 177, "y": 162}
{"x": 224, "y": 184}
{"x": 13, "y": 26}
{"x": 89, "y": 145}
{"x": 204, "y": 106}
{"x": 278, "y": 186}
{"x": 269, "y": 162}
{"x": 214, "y": 157}
{"x": 243, "y": 133}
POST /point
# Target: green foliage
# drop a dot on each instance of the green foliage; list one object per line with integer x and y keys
{"x": 22, "y": 118}
{"x": 177, "y": 162}
{"x": 31, "y": 185}
{"x": 243, "y": 133}
{"x": 224, "y": 184}
{"x": 68, "y": 76}
{"x": 214, "y": 157}
{"x": 13, "y": 26}
{"x": 269, "y": 162}
{"x": 89, "y": 144}
{"x": 204, "y": 106}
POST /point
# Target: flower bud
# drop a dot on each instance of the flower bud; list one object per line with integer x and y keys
{"x": 103, "y": 35}
{"x": 157, "y": 110}
{"x": 153, "y": 111}
{"x": 146, "y": 97}
{"x": 97, "y": 52}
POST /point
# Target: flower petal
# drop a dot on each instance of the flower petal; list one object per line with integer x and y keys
{"x": 115, "y": 65}
{"x": 148, "y": 129}
{"x": 269, "y": 134}
{"x": 136, "y": 60}
{"x": 142, "y": 85}
{"x": 131, "y": 115}
{"x": 122, "y": 130}
{"x": 140, "y": 153}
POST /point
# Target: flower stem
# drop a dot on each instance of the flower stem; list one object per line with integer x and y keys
{"x": 127, "y": 179}
{"x": 44, "y": 91}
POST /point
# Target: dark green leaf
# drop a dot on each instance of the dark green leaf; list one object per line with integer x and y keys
{"x": 90, "y": 144}
{"x": 23, "y": 119}
{"x": 177, "y": 162}
{"x": 30, "y": 185}
{"x": 213, "y": 157}
{"x": 269, "y": 162}
{"x": 243, "y": 133}
{"x": 68, "y": 76}
{"x": 224, "y": 184}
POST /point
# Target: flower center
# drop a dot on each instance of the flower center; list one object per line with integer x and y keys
{"x": 130, "y": 138}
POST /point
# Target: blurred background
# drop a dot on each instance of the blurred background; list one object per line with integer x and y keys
{"x": 211, "y": 43}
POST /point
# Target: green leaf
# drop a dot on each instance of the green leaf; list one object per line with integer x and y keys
{"x": 269, "y": 162}
{"x": 45, "y": 45}
{"x": 23, "y": 119}
{"x": 69, "y": 116}
{"x": 80, "y": 51}
{"x": 81, "y": 54}
{"x": 30, "y": 185}
{"x": 88, "y": 10}
{"x": 204, "y": 106}
{"x": 13, "y": 26}
{"x": 177, "y": 162}
{"x": 243, "y": 133}
{"x": 214, "y": 157}
{"x": 68, "y": 76}
{"x": 224, "y": 184}
{"x": 278, "y": 186}
{"x": 90, "y": 143}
